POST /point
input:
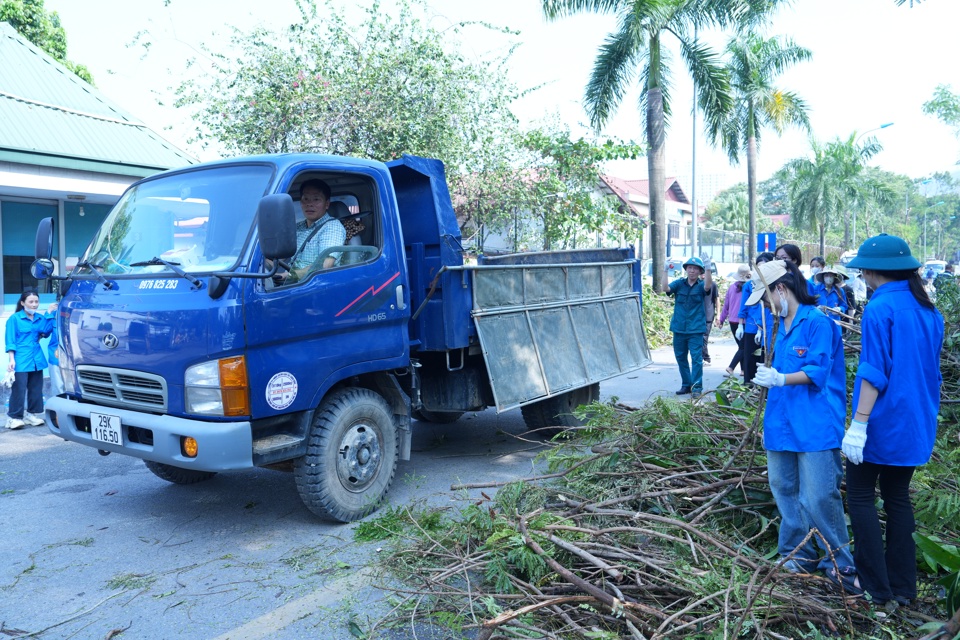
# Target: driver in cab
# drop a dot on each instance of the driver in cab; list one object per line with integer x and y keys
{"x": 316, "y": 232}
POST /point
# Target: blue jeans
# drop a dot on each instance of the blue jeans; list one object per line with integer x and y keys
{"x": 806, "y": 486}
{"x": 691, "y": 344}
{"x": 29, "y": 383}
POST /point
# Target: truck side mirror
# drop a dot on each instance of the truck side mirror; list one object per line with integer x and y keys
{"x": 43, "y": 247}
{"x": 276, "y": 223}
{"x": 42, "y": 268}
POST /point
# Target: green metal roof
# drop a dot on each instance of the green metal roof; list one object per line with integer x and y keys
{"x": 54, "y": 118}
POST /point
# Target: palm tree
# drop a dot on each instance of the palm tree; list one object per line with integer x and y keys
{"x": 637, "y": 44}
{"x": 823, "y": 187}
{"x": 753, "y": 64}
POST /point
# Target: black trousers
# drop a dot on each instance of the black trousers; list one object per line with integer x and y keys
{"x": 737, "y": 356}
{"x": 884, "y": 572}
{"x": 31, "y": 384}
{"x": 748, "y": 361}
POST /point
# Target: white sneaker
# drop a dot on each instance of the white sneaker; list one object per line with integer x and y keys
{"x": 15, "y": 423}
{"x": 33, "y": 420}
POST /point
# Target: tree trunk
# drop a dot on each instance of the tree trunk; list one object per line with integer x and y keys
{"x": 846, "y": 230}
{"x": 823, "y": 238}
{"x": 752, "y": 198}
{"x": 656, "y": 172}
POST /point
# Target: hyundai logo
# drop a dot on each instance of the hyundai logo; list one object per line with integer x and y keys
{"x": 111, "y": 341}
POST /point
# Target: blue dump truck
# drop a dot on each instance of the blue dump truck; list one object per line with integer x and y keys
{"x": 182, "y": 345}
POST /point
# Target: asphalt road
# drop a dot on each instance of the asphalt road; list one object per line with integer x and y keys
{"x": 90, "y": 545}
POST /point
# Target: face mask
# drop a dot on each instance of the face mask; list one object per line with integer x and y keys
{"x": 828, "y": 280}
{"x": 784, "y": 307}
{"x": 815, "y": 270}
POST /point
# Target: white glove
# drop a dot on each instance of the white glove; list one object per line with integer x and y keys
{"x": 758, "y": 338}
{"x": 706, "y": 263}
{"x": 740, "y": 331}
{"x": 769, "y": 377}
{"x": 854, "y": 440}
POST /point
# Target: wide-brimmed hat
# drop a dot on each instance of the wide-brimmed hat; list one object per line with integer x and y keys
{"x": 884, "y": 253}
{"x": 768, "y": 272}
{"x": 836, "y": 270}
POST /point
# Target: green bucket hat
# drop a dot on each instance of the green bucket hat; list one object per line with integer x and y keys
{"x": 884, "y": 253}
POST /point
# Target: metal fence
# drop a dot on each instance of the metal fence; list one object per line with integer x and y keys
{"x": 734, "y": 246}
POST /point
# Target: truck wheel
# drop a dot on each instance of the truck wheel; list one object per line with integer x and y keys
{"x": 437, "y": 417}
{"x": 177, "y": 475}
{"x": 553, "y": 415}
{"x": 351, "y": 456}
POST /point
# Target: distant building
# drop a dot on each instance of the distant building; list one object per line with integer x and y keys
{"x": 635, "y": 198}
{"x": 65, "y": 152}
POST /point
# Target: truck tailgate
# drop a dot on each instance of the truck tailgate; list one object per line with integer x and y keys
{"x": 547, "y": 329}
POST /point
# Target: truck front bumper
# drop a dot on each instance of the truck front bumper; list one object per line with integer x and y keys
{"x": 221, "y": 446}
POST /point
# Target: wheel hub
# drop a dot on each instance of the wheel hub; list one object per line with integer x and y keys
{"x": 359, "y": 457}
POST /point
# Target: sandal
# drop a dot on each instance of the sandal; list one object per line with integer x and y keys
{"x": 847, "y": 580}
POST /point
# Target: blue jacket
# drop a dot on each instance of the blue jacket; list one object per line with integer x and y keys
{"x": 23, "y": 338}
{"x": 835, "y": 297}
{"x": 752, "y": 319}
{"x": 900, "y": 356}
{"x": 808, "y": 417}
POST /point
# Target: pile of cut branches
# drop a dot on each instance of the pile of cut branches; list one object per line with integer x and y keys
{"x": 659, "y": 523}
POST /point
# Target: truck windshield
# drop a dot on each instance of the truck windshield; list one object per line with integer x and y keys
{"x": 198, "y": 220}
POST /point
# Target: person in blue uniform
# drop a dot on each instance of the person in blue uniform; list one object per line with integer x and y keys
{"x": 750, "y": 331}
{"x": 803, "y": 425}
{"x": 817, "y": 263}
{"x": 896, "y": 398}
{"x": 828, "y": 286}
{"x": 23, "y": 332}
{"x": 689, "y": 320}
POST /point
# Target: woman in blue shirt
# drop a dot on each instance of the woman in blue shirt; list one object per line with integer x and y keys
{"x": 750, "y": 331}
{"x": 803, "y": 425}
{"x": 829, "y": 287}
{"x": 24, "y": 330}
{"x": 897, "y": 397}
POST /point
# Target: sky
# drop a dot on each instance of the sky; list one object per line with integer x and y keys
{"x": 873, "y": 63}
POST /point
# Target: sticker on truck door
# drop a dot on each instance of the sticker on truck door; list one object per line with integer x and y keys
{"x": 281, "y": 390}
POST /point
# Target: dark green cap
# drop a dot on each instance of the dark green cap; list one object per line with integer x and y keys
{"x": 884, "y": 253}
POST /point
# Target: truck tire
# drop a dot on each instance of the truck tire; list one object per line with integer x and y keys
{"x": 178, "y": 475}
{"x": 553, "y": 415}
{"x": 437, "y": 417}
{"x": 351, "y": 456}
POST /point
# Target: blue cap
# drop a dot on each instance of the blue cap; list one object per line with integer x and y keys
{"x": 695, "y": 261}
{"x": 884, "y": 253}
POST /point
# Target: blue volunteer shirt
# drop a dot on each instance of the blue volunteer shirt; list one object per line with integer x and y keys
{"x": 833, "y": 298}
{"x": 689, "y": 315}
{"x": 752, "y": 320}
{"x": 900, "y": 356}
{"x": 807, "y": 417}
{"x": 23, "y": 338}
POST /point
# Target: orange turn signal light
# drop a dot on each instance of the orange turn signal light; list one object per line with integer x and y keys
{"x": 189, "y": 447}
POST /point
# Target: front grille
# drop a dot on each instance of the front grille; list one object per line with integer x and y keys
{"x": 123, "y": 388}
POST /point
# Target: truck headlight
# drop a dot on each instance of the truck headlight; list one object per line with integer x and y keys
{"x": 218, "y": 388}
{"x": 66, "y": 372}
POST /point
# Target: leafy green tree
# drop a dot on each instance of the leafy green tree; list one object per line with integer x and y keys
{"x": 42, "y": 28}
{"x": 729, "y": 210}
{"x": 389, "y": 86}
{"x": 753, "y": 64}
{"x": 559, "y": 178}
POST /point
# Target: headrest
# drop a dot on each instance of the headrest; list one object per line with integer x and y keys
{"x": 338, "y": 210}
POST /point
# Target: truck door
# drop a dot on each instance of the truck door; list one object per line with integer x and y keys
{"x": 330, "y": 321}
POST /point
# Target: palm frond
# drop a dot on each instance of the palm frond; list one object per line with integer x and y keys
{"x": 613, "y": 70}
{"x": 712, "y": 82}
{"x": 556, "y": 9}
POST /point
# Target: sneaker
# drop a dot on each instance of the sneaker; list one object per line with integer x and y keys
{"x": 33, "y": 420}
{"x": 683, "y": 391}
{"x": 794, "y": 565}
{"x": 15, "y": 423}
{"x": 706, "y": 359}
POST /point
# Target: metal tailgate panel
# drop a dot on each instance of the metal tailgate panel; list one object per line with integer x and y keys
{"x": 547, "y": 329}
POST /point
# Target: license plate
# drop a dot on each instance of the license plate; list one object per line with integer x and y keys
{"x": 106, "y": 428}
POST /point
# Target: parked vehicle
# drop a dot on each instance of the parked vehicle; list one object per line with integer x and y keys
{"x": 179, "y": 347}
